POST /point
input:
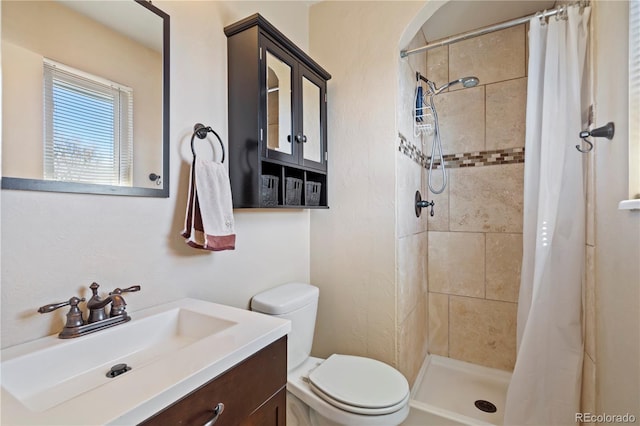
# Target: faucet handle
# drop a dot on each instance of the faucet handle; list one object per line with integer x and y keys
{"x": 126, "y": 290}
{"x": 52, "y": 307}
{"x": 118, "y": 304}
{"x": 74, "y": 316}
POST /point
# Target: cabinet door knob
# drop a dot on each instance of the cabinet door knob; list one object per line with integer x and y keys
{"x": 217, "y": 411}
{"x": 304, "y": 138}
{"x": 300, "y": 138}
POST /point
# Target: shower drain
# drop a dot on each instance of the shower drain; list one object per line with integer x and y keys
{"x": 485, "y": 406}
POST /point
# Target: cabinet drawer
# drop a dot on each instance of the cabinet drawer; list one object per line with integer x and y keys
{"x": 242, "y": 390}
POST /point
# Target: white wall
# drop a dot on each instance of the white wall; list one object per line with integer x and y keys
{"x": 353, "y": 243}
{"x": 54, "y": 245}
{"x": 617, "y": 232}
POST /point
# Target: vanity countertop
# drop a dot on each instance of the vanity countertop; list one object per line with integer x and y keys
{"x": 201, "y": 341}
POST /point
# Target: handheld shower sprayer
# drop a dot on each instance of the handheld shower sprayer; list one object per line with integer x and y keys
{"x": 466, "y": 82}
{"x": 436, "y": 146}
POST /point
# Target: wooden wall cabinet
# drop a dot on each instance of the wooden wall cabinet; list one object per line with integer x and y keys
{"x": 253, "y": 393}
{"x": 277, "y": 119}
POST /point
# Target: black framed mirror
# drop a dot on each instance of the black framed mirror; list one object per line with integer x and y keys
{"x": 85, "y": 97}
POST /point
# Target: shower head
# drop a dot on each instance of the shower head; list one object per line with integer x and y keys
{"x": 465, "y": 81}
{"x": 469, "y": 81}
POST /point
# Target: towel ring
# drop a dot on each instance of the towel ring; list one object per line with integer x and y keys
{"x": 201, "y": 131}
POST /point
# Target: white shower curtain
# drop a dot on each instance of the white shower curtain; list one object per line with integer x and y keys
{"x": 546, "y": 381}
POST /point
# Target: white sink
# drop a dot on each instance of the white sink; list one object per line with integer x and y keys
{"x": 172, "y": 349}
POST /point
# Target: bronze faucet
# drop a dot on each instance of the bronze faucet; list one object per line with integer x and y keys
{"x": 96, "y": 304}
{"x": 97, "y": 318}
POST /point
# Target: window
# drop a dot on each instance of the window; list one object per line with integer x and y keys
{"x": 88, "y": 127}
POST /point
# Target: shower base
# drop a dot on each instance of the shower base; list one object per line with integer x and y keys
{"x": 446, "y": 391}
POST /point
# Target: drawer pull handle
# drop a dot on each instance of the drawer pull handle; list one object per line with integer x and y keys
{"x": 216, "y": 413}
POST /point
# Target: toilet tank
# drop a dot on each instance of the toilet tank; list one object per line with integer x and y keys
{"x": 298, "y": 303}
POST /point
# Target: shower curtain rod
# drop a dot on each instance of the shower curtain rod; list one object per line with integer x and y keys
{"x": 488, "y": 29}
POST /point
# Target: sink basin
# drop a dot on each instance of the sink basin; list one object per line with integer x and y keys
{"x": 47, "y": 377}
{"x": 172, "y": 349}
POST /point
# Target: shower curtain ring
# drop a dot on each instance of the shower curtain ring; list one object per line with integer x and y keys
{"x": 541, "y": 18}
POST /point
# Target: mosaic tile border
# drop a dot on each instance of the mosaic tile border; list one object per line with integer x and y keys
{"x": 466, "y": 159}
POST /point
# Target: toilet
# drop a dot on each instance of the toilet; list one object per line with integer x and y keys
{"x": 339, "y": 390}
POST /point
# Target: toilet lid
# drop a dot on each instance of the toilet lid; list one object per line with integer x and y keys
{"x": 360, "y": 385}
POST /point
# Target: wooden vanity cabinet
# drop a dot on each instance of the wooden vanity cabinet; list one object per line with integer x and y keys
{"x": 277, "y": 118}
{"x": 253, "y": 393}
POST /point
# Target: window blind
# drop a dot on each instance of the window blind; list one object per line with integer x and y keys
{"x": 88, "y": 127}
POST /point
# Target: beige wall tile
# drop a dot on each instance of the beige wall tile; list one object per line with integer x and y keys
{"x": 412, "y": 341}
{"x": 504, "y": 262}
{"x": 412, "y": 272}
{"x": 439, "y": 324}
{"x": 492, "y": 57}
{"x": 418, "y": 61}
{"x": 440, "y": 220}
{"x": 409, "y": 180}
{"x": 438, "y": 65}
{"x": 482, "y": 331}
{"x": 526, "y": 49}
{"x": 506, "y": 104}
{"x": 588, "y": 397}
{"x": 405, "y": 108}
{"x": 590, "y": 303}
{"x": 461, "y": 118}
{"x": 486, "y": 199}
{"x": 456, "y": 263}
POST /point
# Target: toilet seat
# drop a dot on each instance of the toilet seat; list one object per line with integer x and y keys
{"x": 359, "y": 385}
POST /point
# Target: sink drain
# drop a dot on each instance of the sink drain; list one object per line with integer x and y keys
{"x": 117, "y": 370}
{"x": 485, "y": 406}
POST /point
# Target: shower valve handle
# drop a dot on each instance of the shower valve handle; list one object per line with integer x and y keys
{"x": 420, "y": 204}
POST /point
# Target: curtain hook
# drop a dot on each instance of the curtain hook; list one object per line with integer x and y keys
{"x": 583, "y": 4}
{"x": 540, "y": 16}
{"x": 588, "y": 142}
{"x": 562, "y": 15}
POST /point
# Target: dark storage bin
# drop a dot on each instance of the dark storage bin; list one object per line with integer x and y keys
{"x": 312, "y": 193}
{"x": 269, "y": 190}
{"x": 293, "y": 191}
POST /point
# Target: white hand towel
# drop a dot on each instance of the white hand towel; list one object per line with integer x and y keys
{"x": 209, "y": 223}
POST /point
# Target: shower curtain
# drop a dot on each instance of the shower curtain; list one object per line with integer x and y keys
{"x": 546, "y": 382}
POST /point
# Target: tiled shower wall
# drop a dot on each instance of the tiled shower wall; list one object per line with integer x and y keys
{"x": 411, "y": 232}
{"x": 475, "y": 237}
{"x": 474, "y": 242}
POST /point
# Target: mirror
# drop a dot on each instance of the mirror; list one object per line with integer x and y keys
{"x": 311, "y": 120}
{"x": 85, "y": 87}
{"x": 279, "y": 125}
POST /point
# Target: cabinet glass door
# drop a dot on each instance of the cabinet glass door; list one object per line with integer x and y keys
{"x": 311, "y": 103}
{"x": 313, "y": 119}
{"x": 279, "y": 104}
